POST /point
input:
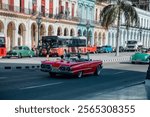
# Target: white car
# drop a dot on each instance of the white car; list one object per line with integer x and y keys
{"x": 147, "y": 82}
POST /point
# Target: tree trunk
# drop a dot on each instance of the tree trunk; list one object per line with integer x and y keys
{"x": 118, "y": 32}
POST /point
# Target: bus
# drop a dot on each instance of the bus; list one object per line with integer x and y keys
{"x": 56, "y": 45}
{"x": 2, "y": 45}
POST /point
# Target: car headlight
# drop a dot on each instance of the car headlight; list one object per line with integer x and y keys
{"x": 146, "y": 57}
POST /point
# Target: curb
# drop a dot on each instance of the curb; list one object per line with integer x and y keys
{"x": 116, "y": 60}
{"x": 37, "y": 66}
{"x": 27, "y": 67}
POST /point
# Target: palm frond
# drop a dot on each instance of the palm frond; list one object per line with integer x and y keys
{"x": 108, "y": 15}
{"x": 131, "y": 16}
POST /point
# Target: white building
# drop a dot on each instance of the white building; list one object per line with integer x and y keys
{"x": 141, "y": 33}
{"x": 18, "y": 20}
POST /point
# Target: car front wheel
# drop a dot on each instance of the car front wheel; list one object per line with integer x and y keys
{"x": 52, "y": 74}
{"x": 80, "y": 73}
{"x": 98, "y": 70}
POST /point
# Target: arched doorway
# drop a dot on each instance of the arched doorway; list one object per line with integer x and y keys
{"x": 95, "y": 39}
{"x": 89, "y": 37}
{"x": 1, "y": 27}
{"x": 104, "y": 39}
{"x": 21, "y": 34}
{"x": 99, "y": 39}
{"x": 109, "y": 36}
{"x": 72, "y": 32}
{"x": 79, "y": 32}
{"x": 10, "y": 35}
{"x": 34, "y": 33}
{"x": 66, "y": 32}
{"x": 50, "y": 30}
{"x": 85, "y": 33}
{"x": 59, "y": 31}
{"x": 42, "y": 33}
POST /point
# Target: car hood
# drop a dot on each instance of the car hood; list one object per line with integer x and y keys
{"x": 140, "y": 55}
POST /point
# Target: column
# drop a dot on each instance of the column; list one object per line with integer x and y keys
{"x": 28, "y": 35}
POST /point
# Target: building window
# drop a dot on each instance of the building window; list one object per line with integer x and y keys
{"x": 43, "y": 7}
{"x": 73, "y": 7}
{"x": 67, "y": 12}
{"x": 1, "y": 4}
{"x": 22, "y": 6}
{"x": 11, "y": 5}
{"x": 61, "y": 8}
{"x": 96, "y": 15}
{"x": 50, "y": 8}
{"x": 34, "y": 7}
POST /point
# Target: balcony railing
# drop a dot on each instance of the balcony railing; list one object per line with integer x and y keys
{"x": 17, "y": 9}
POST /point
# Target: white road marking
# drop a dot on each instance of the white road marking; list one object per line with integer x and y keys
{"x": 120, "y": 72}
{"x": 33, "y": 87}
{"x": 1, "y": 78}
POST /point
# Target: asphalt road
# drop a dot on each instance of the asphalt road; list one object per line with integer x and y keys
{"x": 36, "y": 85}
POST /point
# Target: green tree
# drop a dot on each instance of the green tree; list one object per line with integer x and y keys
{"x": 112, "y": 14}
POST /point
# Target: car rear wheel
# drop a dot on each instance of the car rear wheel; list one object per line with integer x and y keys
{"x": 30, "y": 55}
{"x": 80, "y": 73}
{"x": 133, "y": 62}
{"x": 98, "y": 70}
{"x": 52, "y": 74}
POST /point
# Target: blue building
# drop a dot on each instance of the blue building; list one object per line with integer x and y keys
{"x": 86, "y": 22}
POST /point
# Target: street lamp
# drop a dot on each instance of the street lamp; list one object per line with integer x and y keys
{"x": 38, "y": 21}
{"x": 87, "y": 27}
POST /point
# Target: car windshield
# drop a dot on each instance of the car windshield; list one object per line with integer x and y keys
{"x": 76, "y": 57}
{"x": 17, "y": 48}
{"x": 131, "y": 42}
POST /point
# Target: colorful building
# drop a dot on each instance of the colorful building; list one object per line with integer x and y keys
{"x": 18, "y": 20}
{"x": 86, "y": 19}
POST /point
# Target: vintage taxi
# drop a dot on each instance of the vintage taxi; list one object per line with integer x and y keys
{"x": 76, "y": 66}
{"x": 20, "y": 51}
{"x": 140, "y": 57}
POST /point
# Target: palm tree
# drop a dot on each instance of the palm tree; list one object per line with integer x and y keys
{"x": 112, "y": 12}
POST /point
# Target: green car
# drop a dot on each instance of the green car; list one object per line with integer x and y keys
{"x": 140, "y": 57}
{"x": 20, "y": 51}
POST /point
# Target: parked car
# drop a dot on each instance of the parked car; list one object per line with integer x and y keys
{"x": 76, "y": 65}
{"x": 144, "y": 50}
{"x": 140, "y": 57}
{"x": 121, "y": 49}
{"x": 104, "y": 49}
{"x": 99, "y": 50}
{"x": 147, "y": 82}
{"x": 20, "y": 51}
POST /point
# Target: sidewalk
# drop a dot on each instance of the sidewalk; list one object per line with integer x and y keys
{"x": 136, "y": 92}
{"x": 34, "y": 63}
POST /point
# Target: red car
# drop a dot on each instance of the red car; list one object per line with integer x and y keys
{"x": 72, "y": 66}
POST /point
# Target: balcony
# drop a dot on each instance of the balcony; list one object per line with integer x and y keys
{"x": 33, "y": 12}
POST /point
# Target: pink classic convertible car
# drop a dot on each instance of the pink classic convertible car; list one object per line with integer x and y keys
{"x": 75, "y": 65}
